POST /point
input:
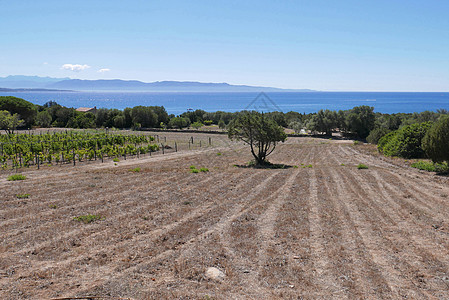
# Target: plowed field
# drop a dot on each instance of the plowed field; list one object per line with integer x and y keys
{"x": 323, "y": 231}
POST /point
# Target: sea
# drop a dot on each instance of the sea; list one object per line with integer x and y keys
{"x": 303, "y": 102}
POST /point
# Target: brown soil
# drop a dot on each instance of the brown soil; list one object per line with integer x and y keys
{"x": 329, "y": 231}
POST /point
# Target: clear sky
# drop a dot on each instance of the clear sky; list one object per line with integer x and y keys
{"x": 347, "y": 45}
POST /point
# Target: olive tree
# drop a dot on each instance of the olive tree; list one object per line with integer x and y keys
{"x": 259, "y": 131}
{"x": 436, "y": 141}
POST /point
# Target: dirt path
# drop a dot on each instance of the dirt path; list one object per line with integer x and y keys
{"x": 321, "y": 230}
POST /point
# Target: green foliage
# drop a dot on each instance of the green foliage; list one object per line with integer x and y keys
{"x": 22, "y": 196}
{"x": 360, "y": 120}
{"x": 221, "y": 124}
{"x": 135, "y": 170}
{"x": 179, "y": 122}
{"x": 53, "y": 206}
{"x": 376, "y": 134}
{"x": 355, "y": 143}
{"x": 43, "y": 119}
{"x": 208, "y": 122}
{"x": 194, "y": 170}
{"x": 405, "y": 142}
{"x": 26, "y": 110}
{"x": 116, "y": 159}
{"x": 431, "y": 166}
{"x": 15, "y": 177}
{"x": 362, "y": 166}
{"x": 219, "y": 154}
{"x": 204, "y": 170}
{"x": 9, "y": 122}
{"x": 436, "y": 140}
{"x": 324, "y": 121}
{"x": 197, "y": 125}
{"x": 258, "y": 131}
{"x": 86, "y": 219}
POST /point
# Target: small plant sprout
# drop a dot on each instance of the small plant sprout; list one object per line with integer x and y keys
{"x": 53, "y": 206}
{"x": 135, "y": 170}
{"x": 16, "y": 177}
{"x": 362, "y": 166}
{"x": 218, "y": 154}
{"x": 295, "y": 167}
{"x": 116, "y": 159}
{"x": 204, "y": 170}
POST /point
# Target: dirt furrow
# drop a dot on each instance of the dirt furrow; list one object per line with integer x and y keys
{"x": 379, "y": 233}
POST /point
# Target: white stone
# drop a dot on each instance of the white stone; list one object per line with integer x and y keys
{"x": 214, "y": 273}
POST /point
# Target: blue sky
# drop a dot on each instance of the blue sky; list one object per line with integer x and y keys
{"x": 324, "y": 45}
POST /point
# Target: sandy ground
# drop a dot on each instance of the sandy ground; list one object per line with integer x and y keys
{"x": 320, "y": 232}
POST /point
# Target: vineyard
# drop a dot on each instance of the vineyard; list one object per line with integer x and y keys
{"x": 24, "y": 150}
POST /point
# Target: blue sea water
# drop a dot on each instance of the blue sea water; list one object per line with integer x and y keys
{"x": 177, "y": 103}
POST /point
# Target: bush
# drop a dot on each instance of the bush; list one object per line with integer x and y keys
{"x": 376, "y": 134}
{"x": 16, "y": 177}
{"x": 430, "y": 166}
{"x": 405, "y": 142}
{"x": 436, "y": 141}
{"x": 204, "y": 170}
{"x": 135, "y": 170}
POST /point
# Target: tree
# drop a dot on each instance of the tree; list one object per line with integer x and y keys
{"x": 324, "y": 121}
{"x": 258, "y": 131}
{"x": 9, "y": 122}
{"x": 25, "y": 109}
{"x": 179, "y": 122}
{"x": 197, "y": 125}
{"x": 145, "y": 116}
{"x": 436, "y": 140}
{"x": 221, "y": 124}
{"x": 296, "y": 126}
{"x": 43, "y": 119}
{"x": 360, "y": 120}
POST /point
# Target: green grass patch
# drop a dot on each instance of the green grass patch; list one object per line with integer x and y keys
{"x": 194, "y": 171}
{"x": 295, "y": 167}
{"x": 342, "y": 164}
{"x": 135, "y": 170}
{"x": 116, "y": 159}
{"x": 53, "y": 206}
{"x": 204, "y": 170}
{"x": 218, "y": 154}
{"x": 22, "y": 196}
{"x": 16, "y": 177}
{"x": 88, "y": 218}
{"x": 356, "y": 142}
{"x": 362, "y": 166}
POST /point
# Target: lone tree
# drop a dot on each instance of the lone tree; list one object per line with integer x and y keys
{"x": 257, "y": 130}
{"x": 436, "y": 141}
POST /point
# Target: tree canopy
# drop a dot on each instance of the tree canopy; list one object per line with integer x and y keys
{"x": 259, "y": 131}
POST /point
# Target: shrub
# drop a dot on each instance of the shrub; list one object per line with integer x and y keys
{"x": 88, "y": 218}
{"x": 136, "y": 170}
{"x": 204, "y": 170}
{"x": 116, "y": 159}
{"x": 362, "y": 166}
{"x": 405, "y": 142}
{"x": 16, "y": 177}
{"x": 431, "y": 166}
{"x": 376, "y": 134}
{"x": 194, "y": 171}
{"x": 436, "y": 141}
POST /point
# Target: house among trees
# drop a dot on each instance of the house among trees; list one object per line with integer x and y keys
{"x": 87, "y": 109}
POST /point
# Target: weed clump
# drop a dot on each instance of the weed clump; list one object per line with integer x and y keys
{"x": 86, "y": 219}
{"x": 116, "y": 159}
{"x": 362, "y": 166}
{"x": 22, "y": 196}
{"x": 16, "y": 177}
{"x": 135, "y": 170}
{"x": 204, "y": 170}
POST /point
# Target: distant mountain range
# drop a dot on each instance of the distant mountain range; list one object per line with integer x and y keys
{"x": 36, "y": 83}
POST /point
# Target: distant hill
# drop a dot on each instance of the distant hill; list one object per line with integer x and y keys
{"x": 27, "y": 82}
{"x": 130, "y": 85}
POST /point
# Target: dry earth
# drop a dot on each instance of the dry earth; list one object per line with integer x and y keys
{"x": 329, "y": 231}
